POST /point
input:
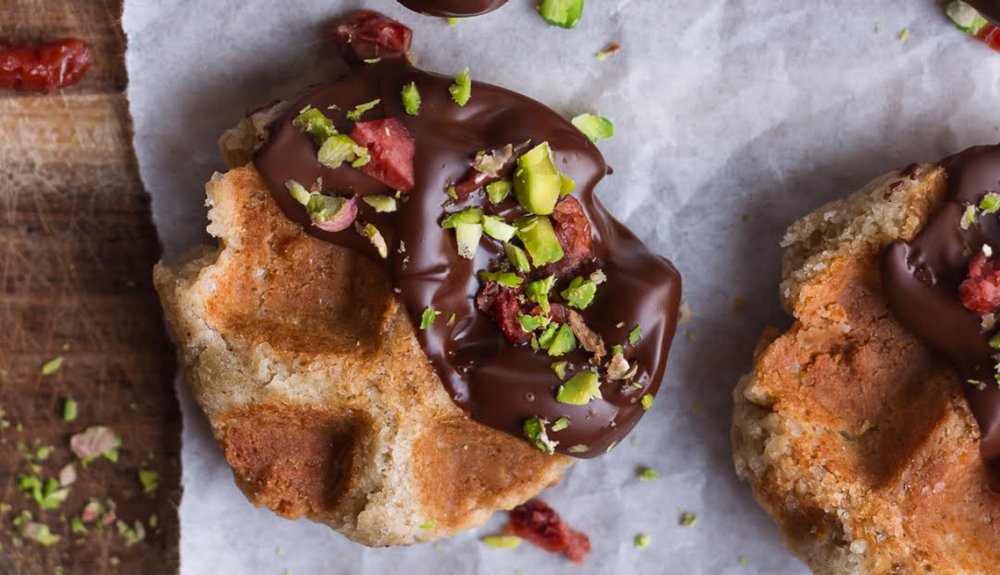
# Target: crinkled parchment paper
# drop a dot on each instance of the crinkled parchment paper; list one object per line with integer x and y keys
{"x": 734, "y": 117}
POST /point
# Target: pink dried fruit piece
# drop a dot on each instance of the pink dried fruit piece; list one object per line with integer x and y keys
{"x": 391, "y": 148}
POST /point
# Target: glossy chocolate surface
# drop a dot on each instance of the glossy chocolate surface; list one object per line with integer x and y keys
{"x": 498, "y": 383}
{"x": 921, "y": 280}
{"x": 453, "y": 8}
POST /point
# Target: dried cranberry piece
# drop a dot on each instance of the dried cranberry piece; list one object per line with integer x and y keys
{"x": 391, "y": 148}
{"x": 44, "y": 67}
{"x": 573, "y": 231}
{"x": 472, "y": 182}
{"x": 540, "y": 524}
{"x": 367, "y": 34}
{"x": 506, "y": 309}
{"x": 980, "y": 292}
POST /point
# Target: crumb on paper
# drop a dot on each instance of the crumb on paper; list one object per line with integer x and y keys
{"x": 686, "y": 313}
{"x": 903, "y": 34}
{"x": 687, "y": 519}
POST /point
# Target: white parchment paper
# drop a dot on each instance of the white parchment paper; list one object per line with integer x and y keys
{"x": 734, "y": 118}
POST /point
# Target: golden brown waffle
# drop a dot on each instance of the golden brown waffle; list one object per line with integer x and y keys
{"x": 855, "y": 438}
{"x": 317, "y": 390}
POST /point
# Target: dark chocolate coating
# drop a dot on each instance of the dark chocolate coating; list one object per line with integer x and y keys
{"x": 453, "y": 8}
{"x": 498, "y": 383}
{"x": 921, "y": 278}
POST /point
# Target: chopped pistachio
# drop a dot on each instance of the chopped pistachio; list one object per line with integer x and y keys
{"x": 314, "y": 123}
{"x": 517, "y": 257}
{"x": 39, "y": 533}
{"x": 461, "y": 90}
{"x": 427, "y": 525}
{"x": 559, "y": 367}
{"x": 537, "y": 182}
{"x": 502, "y": 541}
{"x": 642, "y": 541}
{"x": 560, "y": 424}
{"x": 903, "y": 35}
{"x": 453, "y": 22}
{"x": 647, "y": 402}
{"x": 607, "y": 52}
{"x": 67, "y": 475}
{"x": 48, "y": 495}
{"x": 980, "y": 385}
{"x": 563, "y": 342}
{"x": 617, "y": 350}
{"x": 995, "y": 341}
{"x": 69, "y": 410}
{"x": 43, "y": 452}
{"x": 595, "y": 127}
{"x": 491, "y": 163}
{"x": 372, "y": 60}
{"x": 506, "y": 279}
{"x": 578, "y": 449}
{"x": 530, "y": 323}
{"x": 150, "y": 481}
{"x": 359, "y": 110}
{"x": 968, "y": 217}
{"x": 466, "y": 216}
{"x": 131, "y": 533}
{"x": 687, "y": 519}
{"x": 648, "y": 474}
{"x": 498, "y": 191}
{"x": 339, "y": 149}
{"x": 635, "y": 336}
{"x": 534, "y": 430}
{"x": 990, "y": 203}
{"x": 154, "y": 521}
{"x": 298, "y": 192}
{"x": 98, "y": 441}
{"x": 538, "y": 291}
{"x": 382, "y": 204}
{"x": 51, "y": 366}
{"x": 468, "y": 236}
{"x": 965, "y": 17}
{"x": 77, "y": 527}
{"x": 498, "y": 229}
{"x": 562, "y": 13}
{"x": 451, "y": 319}
{"x": 539, "y": 239}
{"x": 580, "y": 293}
{"x": 411, "y": 99}
{"x": 377, "y": 240}
{"x": 580, "y": 389}
{"x": 428, "y": 317}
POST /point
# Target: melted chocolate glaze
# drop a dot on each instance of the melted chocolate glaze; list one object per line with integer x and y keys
{"x": 498, "y": 383}
{"x": 453, "y": 8}
{"x": 990, "y": 9}
{"x": 921, "y": 280}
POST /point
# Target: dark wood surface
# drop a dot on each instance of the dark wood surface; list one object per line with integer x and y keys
{"x": 77, "y": 246}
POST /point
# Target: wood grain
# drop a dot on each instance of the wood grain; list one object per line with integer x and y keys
{"x": 76, "y": 249}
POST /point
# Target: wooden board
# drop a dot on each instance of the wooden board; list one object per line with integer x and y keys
{"x": 76, "y": 250}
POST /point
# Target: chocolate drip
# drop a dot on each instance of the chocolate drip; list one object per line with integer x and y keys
{"x": 497, "y": 383}
{"x": 990, "y": 9}
{"x": 921, "y": 280}
{"x": 453, "y": 8}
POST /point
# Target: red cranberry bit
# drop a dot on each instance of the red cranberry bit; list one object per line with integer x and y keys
{"x": 980, "y": 292}
{"x": 367, "y": 35}
{"x": 391, "y": 148}
{"x": 540, "y": 524}
{"x": 44, "y": 67}
{"x": 506, "y": 309}
{"x": 573, "y": 231}
{"x": 990, "y": 35}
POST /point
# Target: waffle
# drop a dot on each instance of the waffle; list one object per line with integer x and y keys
{"x": 856, "y": 438}
{"x": 316, "y": 387}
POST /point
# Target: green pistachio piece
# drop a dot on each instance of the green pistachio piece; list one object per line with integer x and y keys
{"x": 580, "y": 293}
{"x": 642, "y": 541}
{"x": 498, "y": 191}
{"x": 545, "y": 339}
{"x": 617, "y": 350}
{"x": 539, "y": 239}
{"x": 427, "y": 525}
{"x": 453, "y": 22}
{"x": 452, "y": 318}
{"x": 687, "y": 519}
{"x": 411, "y": 99}
{"x": 502, "y": 541}
{"x": 468, "y": 236}
{"x": 298, "y": 191}
{"x": 580, "y": 389}
{"x": 537, "y": 182}
{"x": 382, "y": 204}
{"x": 990, "y": 203}
{"x": 339, "y": 149}
{"x": 359, "y": 110}
{"x": 562, "y": 13}
{"x": 506, "y": 279}
{"x": 968, "y": 217}
{"x": 566, "y": 185}
{"x": 635, "y": 336}
{"x": 150, "y": 481}
{"x": 648, "y": 474}
{"x": 595, "y": 127}
{"x": 560, "y": 424}
{"x": 534, "y": 430}
{"x": 69, "y": 411}
{"x": 323, "y": 208}
{"x": 530, "y": 323}
{"x": 995, "y": 341}
{"x": 517, "y": 257}
{"x": 965, "y": 17}
{"x": 311, "y": 121}
{"x": 461, "y": 90}
{"x": 51, "y": 366}
{"x": 559, "y": 367}
{"x": 578, "y": 449}
{"x": 375, "y": 237}
{"x": 647, "y": 402}
{"x": 538, "y": 291}
{"x": 427, "y": 318}
{"x": 466, "y": 216}
{"x": 563, "y": 343}
{"x": 498, "y": 229}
